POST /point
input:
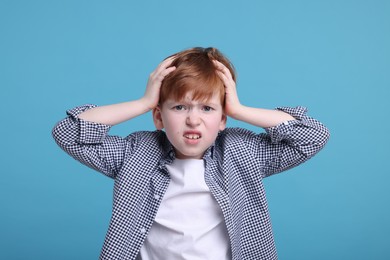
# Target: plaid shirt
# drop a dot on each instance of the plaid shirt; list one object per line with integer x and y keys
{"x": 234, "y": 168}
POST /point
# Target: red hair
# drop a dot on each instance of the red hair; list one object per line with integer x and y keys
{"x": 195, "y": 73}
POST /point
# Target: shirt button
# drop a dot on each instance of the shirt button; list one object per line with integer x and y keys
{"x": 157, "y": 197}
{"x": 142, "y": 230}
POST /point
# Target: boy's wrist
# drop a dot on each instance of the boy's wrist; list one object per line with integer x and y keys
{"x": 146, "y": 104}
{"x": 237, "y": 112}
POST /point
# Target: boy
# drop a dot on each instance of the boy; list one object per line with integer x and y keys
{"x": 194, "y": 190}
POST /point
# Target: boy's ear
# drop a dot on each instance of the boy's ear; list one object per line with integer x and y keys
{"x": 222, "y": 124}
{"x": 157, "y": 119}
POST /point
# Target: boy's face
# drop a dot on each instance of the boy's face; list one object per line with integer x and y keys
{"x": 191, "y": 126}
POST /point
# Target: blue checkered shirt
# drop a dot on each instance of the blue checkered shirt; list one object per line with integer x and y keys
{"x": 235, "y": 166}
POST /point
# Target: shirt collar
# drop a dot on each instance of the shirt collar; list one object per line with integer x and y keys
{"x": 209, "y": 153}
{"x": 168, "y": 151}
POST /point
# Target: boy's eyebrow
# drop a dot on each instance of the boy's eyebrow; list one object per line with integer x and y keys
{"x": 210, "y": 104}
{"x": 191, "y": 102}
{"x": 171, "y": 102}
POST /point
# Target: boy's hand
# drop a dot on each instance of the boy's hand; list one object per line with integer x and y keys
{"x": 256, "y": 116}
{"x": 152, "y": 92}
{"x": 232, "y": 103}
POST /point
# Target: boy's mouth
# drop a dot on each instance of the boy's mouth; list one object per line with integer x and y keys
{"x": 192, "y": 136}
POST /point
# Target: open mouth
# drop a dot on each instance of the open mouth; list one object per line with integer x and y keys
{"x": 192, "y": 136}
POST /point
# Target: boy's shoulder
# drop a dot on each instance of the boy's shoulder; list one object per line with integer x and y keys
{"x": 152, "y": 140}
{"x": 232, "y": 136}
{"x": 237, "y": 138}
{"x": 151, "y": 137}
{"x": 236, "y": 133}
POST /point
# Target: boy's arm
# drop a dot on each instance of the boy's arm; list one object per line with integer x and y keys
{"x": 264, "y": 118}
{"x": 118, "y": 113}
{"x": 84, "y": 133}
{"x": 292, "y": 136}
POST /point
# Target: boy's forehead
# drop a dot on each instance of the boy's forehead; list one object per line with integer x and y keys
{"x": 189, "y": 98}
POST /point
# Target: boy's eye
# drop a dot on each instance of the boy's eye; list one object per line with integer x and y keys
{"x": 207, "y": 108}
{"x": 179, "y": 107}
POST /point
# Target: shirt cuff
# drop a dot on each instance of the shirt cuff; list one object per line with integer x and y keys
{"x": 285, "y": 130}
{"x": 90, "y": 132}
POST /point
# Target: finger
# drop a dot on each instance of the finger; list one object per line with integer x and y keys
{"x": 167, "y": 62}
{"x": 222, "y": 76}
{"x": 162, "y": 67}
{"x": 229, "y": 87}
{"x": 221, "y": 67}
{"x": 167, "y": 71}
{"x": 226, "y": 79}
{"x": 160, "y": 75}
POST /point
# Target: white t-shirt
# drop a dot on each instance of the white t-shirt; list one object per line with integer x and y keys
{"x": 189, "y": 223}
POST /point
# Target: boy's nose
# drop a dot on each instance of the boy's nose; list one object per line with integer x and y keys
{"x": 193, "y": 118}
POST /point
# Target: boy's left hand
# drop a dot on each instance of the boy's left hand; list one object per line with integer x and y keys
{"x": 264, "y": 118}
{"x": 232, "y": 103}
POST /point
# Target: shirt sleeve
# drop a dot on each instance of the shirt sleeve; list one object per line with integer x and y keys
{"x": 290, "y": 143}
{"x": 89, "y": 142}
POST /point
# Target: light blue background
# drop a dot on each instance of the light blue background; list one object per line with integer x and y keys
{"x": 331, "y": 56}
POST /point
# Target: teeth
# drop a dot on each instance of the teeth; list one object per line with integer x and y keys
{"x": 192, "y": 136}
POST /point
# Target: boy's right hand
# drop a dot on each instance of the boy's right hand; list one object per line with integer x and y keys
{"x": 152, "y": 92}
